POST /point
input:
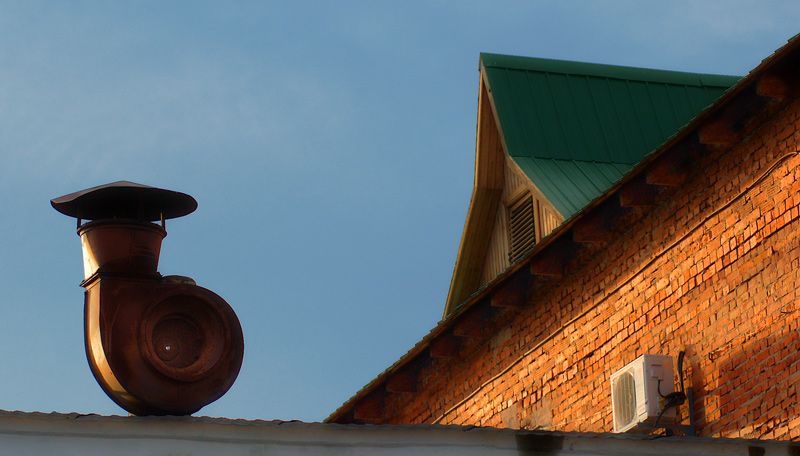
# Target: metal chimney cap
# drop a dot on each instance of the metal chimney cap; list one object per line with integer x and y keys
{"x": 127, "y": 200}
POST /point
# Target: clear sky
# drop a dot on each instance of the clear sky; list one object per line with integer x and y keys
{"x": 330, "y": 146}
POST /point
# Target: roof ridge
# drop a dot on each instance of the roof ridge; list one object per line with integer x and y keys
{"x": 602, "y": 70}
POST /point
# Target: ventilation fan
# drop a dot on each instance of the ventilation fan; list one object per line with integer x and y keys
{"x": 636, "y": 390}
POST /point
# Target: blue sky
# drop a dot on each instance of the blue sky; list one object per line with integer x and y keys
{"x": 330, "y": 146}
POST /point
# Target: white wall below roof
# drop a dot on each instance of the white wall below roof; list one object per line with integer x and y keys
{"x": 55, "y": 434}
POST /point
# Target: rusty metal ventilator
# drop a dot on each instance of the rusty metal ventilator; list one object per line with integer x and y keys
{"x": 156, "y": 345}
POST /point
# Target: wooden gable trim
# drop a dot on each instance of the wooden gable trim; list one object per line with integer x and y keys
{"x": 489, "y": 142}
{"x": 486, "y": 194}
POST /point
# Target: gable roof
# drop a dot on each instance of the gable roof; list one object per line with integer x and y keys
{"x": 576, "y": 128}
{"x": 764, "y": 91}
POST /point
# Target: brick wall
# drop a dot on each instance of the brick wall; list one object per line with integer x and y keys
{"x": 714, "y": 267}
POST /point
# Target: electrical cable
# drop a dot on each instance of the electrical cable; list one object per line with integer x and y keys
{"x": 681, "y": 355}
{"x": 620, "y": 285}
{"x": 673, "y": 399}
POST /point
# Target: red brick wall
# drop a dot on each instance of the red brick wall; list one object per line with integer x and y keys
{"x": 713, "y": 267}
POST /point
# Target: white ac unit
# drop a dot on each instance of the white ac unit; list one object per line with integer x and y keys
{"x": 635, "y": 392}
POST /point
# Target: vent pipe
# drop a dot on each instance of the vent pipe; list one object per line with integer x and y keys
{"x": 157, "y": 345}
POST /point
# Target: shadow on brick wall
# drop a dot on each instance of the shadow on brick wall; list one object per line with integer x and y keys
{"x": 750, "y": 388}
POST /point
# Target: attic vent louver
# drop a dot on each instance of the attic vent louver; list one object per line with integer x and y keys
{"x": 521, "y": 227}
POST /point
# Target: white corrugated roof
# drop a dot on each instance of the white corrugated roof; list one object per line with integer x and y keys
{"x": 75, "y": 434}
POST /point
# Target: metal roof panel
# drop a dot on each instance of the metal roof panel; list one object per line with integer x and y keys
{"x": 587, "y": 116}
{"x": 570, "y": 184}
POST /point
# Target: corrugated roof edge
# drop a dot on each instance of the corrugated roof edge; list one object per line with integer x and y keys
{"x": 87, "y": 418}
{"x": 606, "y": 71}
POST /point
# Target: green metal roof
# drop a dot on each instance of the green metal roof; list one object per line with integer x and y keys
{"x": 575, "y": 128}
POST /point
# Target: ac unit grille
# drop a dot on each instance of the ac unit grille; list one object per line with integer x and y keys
{"x": 625, "y": 403}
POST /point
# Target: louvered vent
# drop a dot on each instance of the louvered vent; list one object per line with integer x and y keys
{"x": 521, "y": 227}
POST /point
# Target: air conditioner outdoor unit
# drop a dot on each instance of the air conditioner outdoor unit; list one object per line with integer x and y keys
{"x": 635, "y": 392}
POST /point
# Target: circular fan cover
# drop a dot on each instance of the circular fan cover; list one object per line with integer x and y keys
{"x": 624, "y": 399}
